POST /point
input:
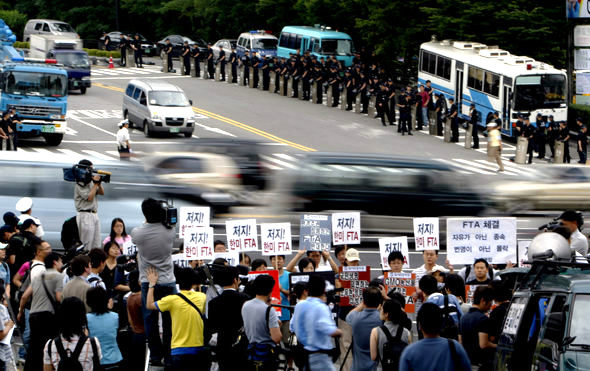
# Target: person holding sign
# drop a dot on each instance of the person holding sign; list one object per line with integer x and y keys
{"x": 395, "y": 261}
{"x": 278, "y": 262}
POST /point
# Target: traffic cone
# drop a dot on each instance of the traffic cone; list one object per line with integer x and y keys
{"x": 111, "y": 65}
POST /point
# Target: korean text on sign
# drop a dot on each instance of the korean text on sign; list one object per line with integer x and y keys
{"x": 315, "y": 232}
{"x": 275, "y": 294}
{"x": 426, "y": 234}
{"x": 275, "y": 238}
{"x": 391, "y": 244}
{"x": 198, "y": 243}
{"x": 493, "y": 239}
{"x": 191, "y": 217}
{"x": 404, "y": 283}
{"x": 354, "y": 280}
{"x": 346, "y": 228}
{"x": 241, "y": 235}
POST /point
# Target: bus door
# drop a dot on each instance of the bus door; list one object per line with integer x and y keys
{"x": 506, "y": 105}
{"x": 304, "y": 44}
{"x": 310, "y": 44}
{"x": 459, "y": 85}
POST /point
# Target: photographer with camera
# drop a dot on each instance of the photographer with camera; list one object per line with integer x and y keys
{"x": 154, "y": 240}
{"x": 86, "y": 202}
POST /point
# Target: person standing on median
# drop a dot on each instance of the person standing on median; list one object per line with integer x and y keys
{"x": 495, "y": 143}
{"x": 86, "y": 202}
{"x": 123, "y": 141}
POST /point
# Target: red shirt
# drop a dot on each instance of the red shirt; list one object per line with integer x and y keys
{"x": 134, "y": 313}
{"x": 425, "y": 98}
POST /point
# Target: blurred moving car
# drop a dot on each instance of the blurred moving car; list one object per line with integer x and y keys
{"x": 226, "y": 44}
{"x": 177, "y": 42}
{"x": 48, "y": 27}
{"x": 148, "y": 47}
{"x": 557, "y": 187}
{"x": 382, "y": 185}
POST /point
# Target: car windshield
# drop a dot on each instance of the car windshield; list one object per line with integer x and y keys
{"x": 62, "y": 27}
{"x": 580, "y": 326}
{"x": 168, "y": 99}
{"x": 73, "y": 59}
{"x": 233, "y": 44}
{"x": 337, "y": 47}
{"x": 35, "y": 84}
{"x": 268, "y": 43}
{"x": 539, "y": 91}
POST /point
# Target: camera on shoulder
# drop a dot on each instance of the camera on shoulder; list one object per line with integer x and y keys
{"x": 83, "y": 172}
{"x": 169, "y": 214}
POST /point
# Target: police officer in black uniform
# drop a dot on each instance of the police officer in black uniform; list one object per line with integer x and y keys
{"x": 123, "y": 47}
{"x": 528, "y": 131}
{"x": 221, "y": 61}
{"x": 350, "y": 85}
{"x": 405, "y": 104}
{"x": 473, "y": 121}
{"x": 255, "y": 63}
{"x": 210, "y": 67}
{"x": 168, "y": 49}
{"x": 278, "y": 66}
{"x": 295, "y": 75}
{"x": 186, "y": 58}
{"x": 233, "y": 59}
{"x": 453, "y": 115}
{"x": 391, "y": 98}
{"x": 440, "y": 108}
{"x": 266, "y": 68}
{"x": 107, "y": 41}
{"x": 519, "y": 125}
{"x": 319, "y": 77}
{"x": 138, "y": 53}
{"x": 381, "y": 102}
{"x": 334, "y": 82}
{"x": 196, "y": 54}
{"x": 364, "y": 92}
{"x": 552, "y": 133}
{"x": 305, "y": 78}
{"x": 540, "y": 136}
{"x": 564, "y": 136}
{"x": 245, "y": 60}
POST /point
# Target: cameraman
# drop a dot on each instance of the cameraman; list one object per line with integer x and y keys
{"x": 86, "y": 202}
{"x": 154, "y": 249}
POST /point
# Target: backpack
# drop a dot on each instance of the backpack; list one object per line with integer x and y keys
{"x": 98, "y": 280}
{"x": 68, "y": 360}
{"x": 450, "y": 330}
{"x": 70, "y": 236}
{"x": 392, "y": 349}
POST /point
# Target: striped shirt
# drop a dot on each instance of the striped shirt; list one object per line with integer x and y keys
{"x": 85, "y": 357}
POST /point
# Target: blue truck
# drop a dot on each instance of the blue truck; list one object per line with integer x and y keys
{"x": 38, "y": 89}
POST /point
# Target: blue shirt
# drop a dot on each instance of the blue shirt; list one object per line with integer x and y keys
{"x": 362, "y": 324}
{"x": 5, "y": 273}
{"x": 432, "y": 354}
{"x": 284, "y": 282}
{"x": 104, "y": 328}
{"x": 313, "y": 324}
{"x": 439, "y": 299}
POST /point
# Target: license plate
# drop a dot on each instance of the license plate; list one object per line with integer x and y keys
{"x": 175, "y": 130}
{"x": 48, "y": 129}
{"x": 147, "y": 50}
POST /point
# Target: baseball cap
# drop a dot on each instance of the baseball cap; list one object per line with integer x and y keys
{"x": 352, "y": 255}
{"x": 570, "y": 216}
{"x": 27, "y": 224}
{"x": 10, "y": 219}
{"x": 123, "y": 123}
{"x": 24, "y": 204}
{"x": 3, "y": 245}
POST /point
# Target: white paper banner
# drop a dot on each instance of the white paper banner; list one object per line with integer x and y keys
{"x": 275, "y": 238}
{"x": 523, "y": 249}
{"x": 233, "y": 258}
{"x": 493, "y": 239}
{"x": 426, "y": 235}
{"x": 180, "y": 261}
{"x": 391, "y": 244}
{"x": 191, "y": 217}
{"x": 346, "y": 228}
{"x": 198, "y": 243}
{"x": 241, "y": 235}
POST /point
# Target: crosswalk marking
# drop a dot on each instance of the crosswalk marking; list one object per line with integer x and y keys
{"x": 486, "y": 166}
{"x": 42, "y": 151}
{"x": 466, "y": 167}
{"x": 124, "y": 71}
{"x": 279, "y": 162}
{"x": 99, "y": 155}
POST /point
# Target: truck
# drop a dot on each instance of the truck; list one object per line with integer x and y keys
{"x": 68, "y": 52}
{"x": 37, "y": 89}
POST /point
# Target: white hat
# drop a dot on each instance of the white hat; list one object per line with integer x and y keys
{"x": 24, "y": 204}
{"x": 123, "y": 123}
{"x": 491, "y": 124}
{"x": 352, "y": 255}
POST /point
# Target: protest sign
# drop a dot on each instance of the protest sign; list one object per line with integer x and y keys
{"x": 493, "y": 239}
{"x": 391, "y": 244}
{"x": 232, "y": 257}
{"x": 193, "y": 216}
{"x": 275, "y": 295}
{"x": 426, "y": 236}
{"x": 315, "y": 232}
{"x": 198, "y": 243}
{"x": 354, "y": 280}
{"x": 469, "y": 291}
{"x": 241, "y": 235}
{"x": 523, "y": 249}
{"x": 275, "y": 238}
{"x": 129, "y": 248}
{"x": 180, "y": 261}
{"x": 404, "y": 283}
{"x": 346, "y": 228}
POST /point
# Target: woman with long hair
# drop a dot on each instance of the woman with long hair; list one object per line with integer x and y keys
{"x": 118, "y": 234}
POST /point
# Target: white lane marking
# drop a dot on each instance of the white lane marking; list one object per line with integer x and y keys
{"x": 99, "y": 155}
{"x": 143, "y": 77}
{"x": 465, "y": 167}
{"x": 285, "y": 156}
{"x": 279, "y": 162}
{"x": 484, "y": 166}
{"x": 42, "y": 151}
{"x": 214, "y": 130}
{"x": 271, "y": 166}
{"x": 70, "y": 131}
{"x": 69, "y": 152}
{"x": 92, "y": 126}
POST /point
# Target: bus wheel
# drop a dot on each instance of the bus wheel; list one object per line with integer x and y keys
{"x": 83, "y": 90}
{"x": 53, "y": 139}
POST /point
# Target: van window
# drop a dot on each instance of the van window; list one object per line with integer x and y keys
{"x": 241, "y": 41}
{"x": 142, "y": 99}
{"x": 247, "y": 44}
{"x": 580, "y": 326}
{"x": 45, "y": 27}
{"x": 136, "y": 93}
{"x": 180, "y": 165}
{"x": 284, "y": 40}
{"x": 129, "y": 90}
{"x": 38, "y": 26}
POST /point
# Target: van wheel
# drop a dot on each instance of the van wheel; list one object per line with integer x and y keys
{"x": 126, "y": 117}
{"x": 83, "y": 90}
{"x": 146, "y": 129}
{"x": 188, "y": 135}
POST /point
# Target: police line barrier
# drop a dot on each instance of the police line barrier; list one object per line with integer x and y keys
{"x": 521, "y": 150}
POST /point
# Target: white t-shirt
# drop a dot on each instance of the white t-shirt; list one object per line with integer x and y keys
{"x": 122, "y": 137}
{"x": 40, "y": 232}
{"x": 579, "y": 242}
{"x": 85, "y": 357}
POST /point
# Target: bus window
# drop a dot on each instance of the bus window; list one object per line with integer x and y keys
{"x": 475, "y": 79}
{"x": 298, "y": 42}
{"x": 284, "y": 40}
{"x": 492, "y": 84}
{"x": 428, "y": 62}
{"x": 311, "y": 44}
{"x": 338, "y": 47}
{"x": 443, "y": 67}
{"x": 292, "y": 38}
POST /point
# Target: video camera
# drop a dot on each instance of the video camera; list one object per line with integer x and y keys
{"x": 127, "y": 263}
{"x": 168, "y": 214}
{"x": 80, "y": 173}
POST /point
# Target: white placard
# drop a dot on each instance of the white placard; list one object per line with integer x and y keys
{"x": 391, "y": 244}
{"x": 198, "y": 243}
{"x": 426, "y": 235}
{"x": 582, "y": 36}
{"x": 180, "y": 261}
{"x": 582, "y": 59}
{"x": 233, "y": 257}
{"x": 493, "y": 239}
{"x": 241, "y": 235}
{"x": 346, "y": 228}
{"x": 582, "y": 83}
{"x": 129, "y": 248}
{"x": 523, "y": 249}
{"x": 191, "y": 217}
{"x": 513, "y": 318}
{"x": 275, "y": 238}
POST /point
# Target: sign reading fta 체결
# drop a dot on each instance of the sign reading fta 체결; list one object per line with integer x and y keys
{"x": 191, "y": 217}
{"x": 315, "y": 232}
{"x": 198, "y": 243}
{"x": 241, "y": 235}
{"x": 493, "y": 239}
{"x": 346, "y": 228}
{"x": 391, "y": 244}
{"x": 275, "y": 238}
{"x": 426, "y": 234}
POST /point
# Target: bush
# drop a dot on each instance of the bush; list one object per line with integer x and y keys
{"x": 578, "y": 110}
{"x": 15, "y": 20}
{"x": 21, "y": 45}
{"x": 102, "y": 53}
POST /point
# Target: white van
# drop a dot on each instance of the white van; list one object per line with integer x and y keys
{"x": 48, "y": 27}
{"x": 158, "y": 107}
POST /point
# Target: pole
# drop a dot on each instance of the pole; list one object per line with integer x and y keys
{"x": 117, "y": 15}
{"x": 570, "y": 84}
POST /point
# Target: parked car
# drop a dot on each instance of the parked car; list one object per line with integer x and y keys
{"x": 226, "y": 44}
{"x": 48, "y": 27}
{"x": 177, "y": 42}
{"x": 382, "y": 185}
{"x": 148, "y": 47}
{"x": 156, "y": 106}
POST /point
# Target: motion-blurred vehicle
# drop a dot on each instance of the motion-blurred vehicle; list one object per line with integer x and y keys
{"x": 148, "y": 47}
{"x": 382, "y": 185}
{"x": 260, "y": 41}
{"x": 177, "y": 42}
{"x": 226, "y": 44}
{"x": 48, "y": 27}
{"x": 246, "y": 154}
{"x": 156, "y": 106}
{"x": 557, "y": 187}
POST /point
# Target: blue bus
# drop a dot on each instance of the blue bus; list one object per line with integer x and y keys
{"x": 320, "y": 41}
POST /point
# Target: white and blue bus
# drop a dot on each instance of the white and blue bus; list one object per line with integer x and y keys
{"x": 494, "y": 80}
{"x": 259, "y": 41}
{"x": 320, "y": 41}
